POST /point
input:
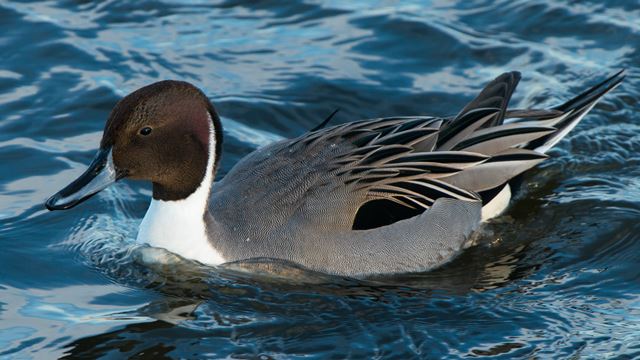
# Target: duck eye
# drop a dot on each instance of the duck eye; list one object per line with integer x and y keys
{"x": 145, "y": 131}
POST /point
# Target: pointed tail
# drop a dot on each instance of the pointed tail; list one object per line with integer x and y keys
{"x": 571, "y": 112}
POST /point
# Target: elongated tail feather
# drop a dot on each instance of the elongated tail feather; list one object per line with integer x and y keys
{"x": 574, "y": 110}
{"x": 514, "y": 145}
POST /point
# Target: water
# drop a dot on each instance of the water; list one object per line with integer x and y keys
{"x": 555, "y": 277}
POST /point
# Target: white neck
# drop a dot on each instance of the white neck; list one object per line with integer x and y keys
{"x": 179, "y": 226}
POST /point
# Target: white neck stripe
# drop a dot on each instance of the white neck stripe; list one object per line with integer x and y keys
{"x": 179, "y": 226}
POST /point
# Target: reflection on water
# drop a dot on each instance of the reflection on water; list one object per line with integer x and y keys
{"x": 556, "y": 276}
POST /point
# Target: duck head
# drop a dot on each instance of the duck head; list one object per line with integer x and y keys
{"x": 161, "y": 133}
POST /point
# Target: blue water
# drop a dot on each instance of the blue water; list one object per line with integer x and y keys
{"x": 556, "y": 277}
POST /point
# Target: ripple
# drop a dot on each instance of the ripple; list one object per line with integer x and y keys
{"x": 554, "y": 277}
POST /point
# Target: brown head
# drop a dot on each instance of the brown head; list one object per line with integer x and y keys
{"x": 161, "y": 133}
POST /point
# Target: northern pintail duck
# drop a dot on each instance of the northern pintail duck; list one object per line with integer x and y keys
{"x": 386, "y": 195}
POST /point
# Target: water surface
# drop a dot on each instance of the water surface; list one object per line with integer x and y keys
{"x": 556, "y": 277}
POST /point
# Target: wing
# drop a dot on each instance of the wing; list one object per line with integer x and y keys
{"x": 399, "y": 166}
{"x": 372, "y": 173}
{"x": 396, "y": 169}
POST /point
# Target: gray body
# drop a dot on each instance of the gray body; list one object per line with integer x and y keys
{"x": 296, "y": 199}
{"x": 306, "y": 217}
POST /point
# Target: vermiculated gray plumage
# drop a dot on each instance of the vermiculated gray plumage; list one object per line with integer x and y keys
{"x": 385, "y": 195}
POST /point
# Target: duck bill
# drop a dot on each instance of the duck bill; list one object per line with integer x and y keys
{"x": 100, "y": 174}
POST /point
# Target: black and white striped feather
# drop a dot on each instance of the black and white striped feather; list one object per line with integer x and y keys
{"x": 413, "y": 161}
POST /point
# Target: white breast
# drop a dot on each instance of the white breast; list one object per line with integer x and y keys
{"x": 179, "y": 226}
